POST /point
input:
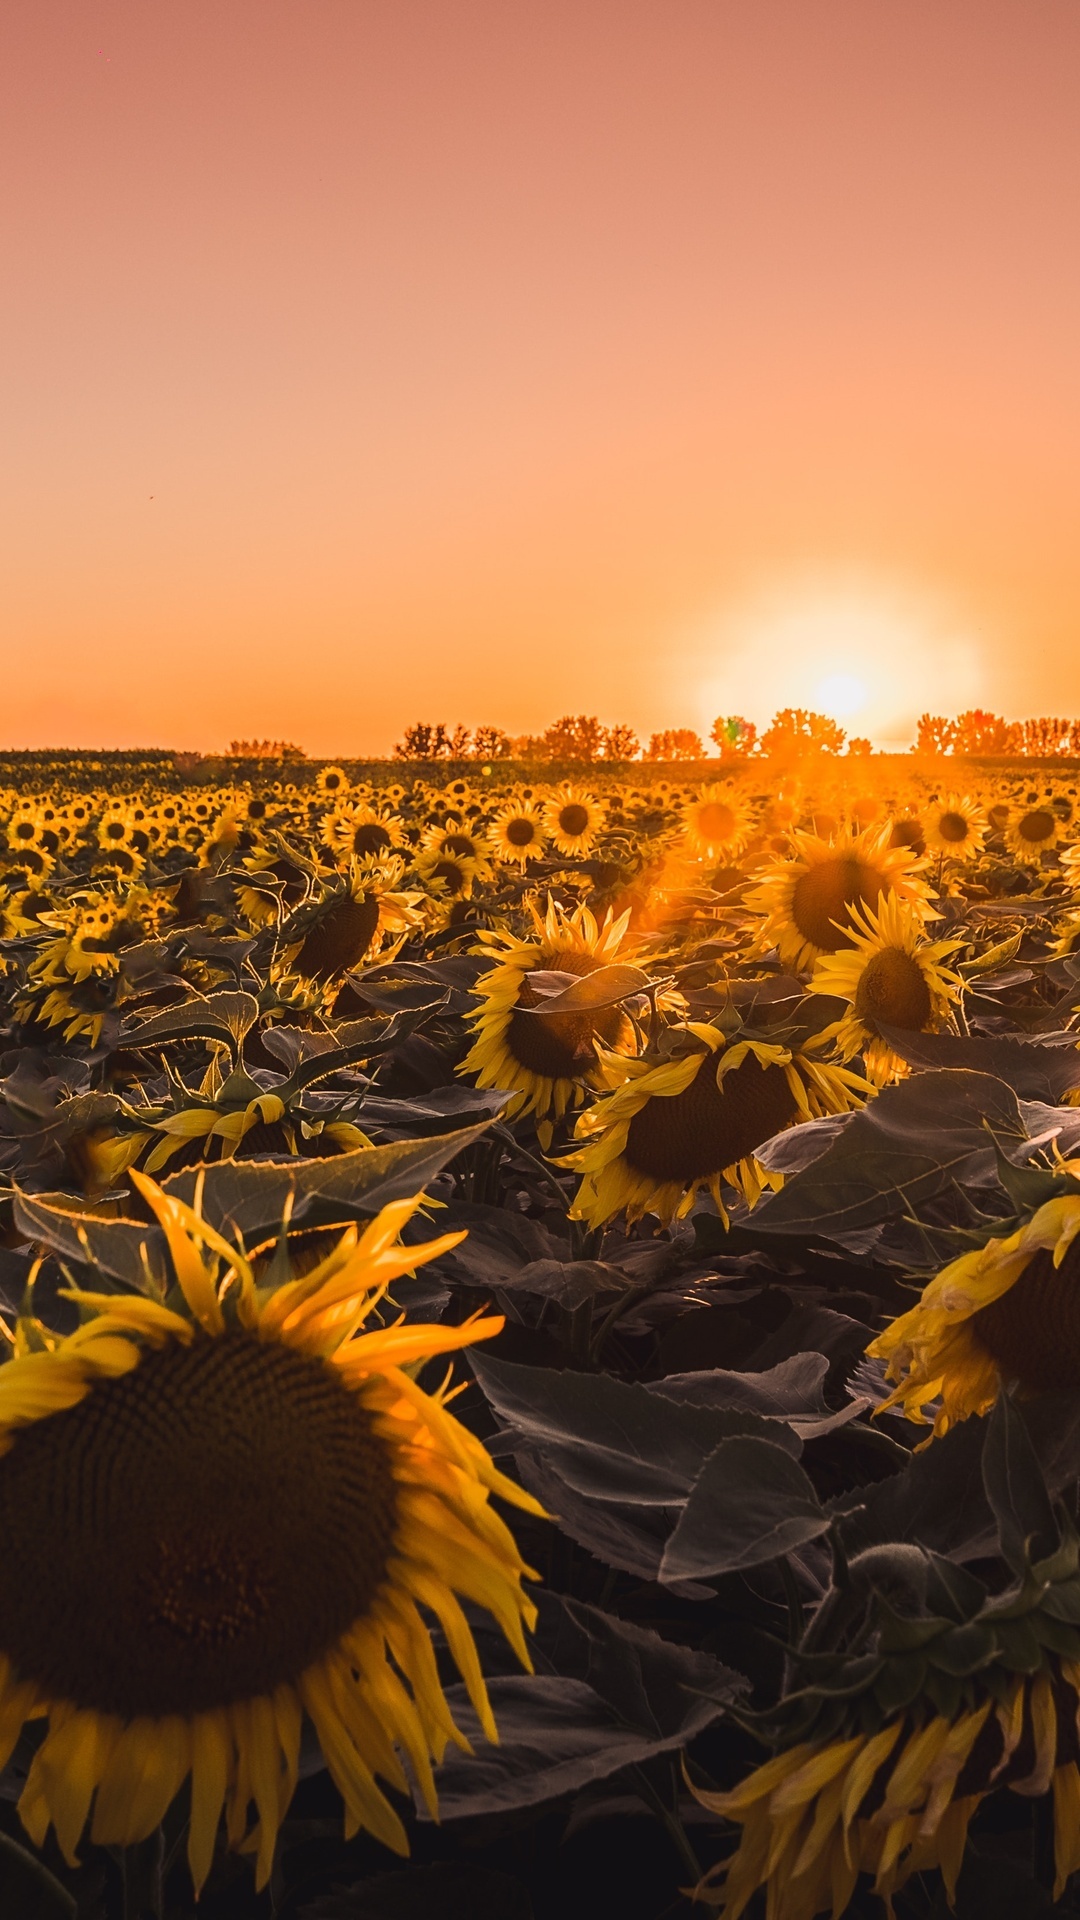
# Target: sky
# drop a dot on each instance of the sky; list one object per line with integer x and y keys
{"x": 365, "y": 361}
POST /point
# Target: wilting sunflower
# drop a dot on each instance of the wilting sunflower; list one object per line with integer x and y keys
{"x": 806, "y": 900}
{"x": 517, "y": 833}
{"x": 717, "y": 824}
{"x": 572, "y": 819}
{"x": 956, "y": 826}
{"x": 349, "y": 922}
{"x": 222, "y": 1514}
{"x": 1032, "y": 832}
{"x": 1007, "y": 1312}
{"x": 693, "y": 1121}
{"x": 898, "y": 1800}
{"x": 545, "y": 1060}
{"x": 891, "y": 975}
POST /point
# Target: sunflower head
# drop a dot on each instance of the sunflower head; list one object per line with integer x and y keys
{"x": 922, "y": 1695}
{"x": 808, "y": 900}
{"x": 690, "y": 1118}
{"x": 1007, "y": 1313}
{"x": 224, "y": 1500}
{"x": 956, "y": 827}
{"x": 891, "y": 975}
{"x": 572, "y": 820}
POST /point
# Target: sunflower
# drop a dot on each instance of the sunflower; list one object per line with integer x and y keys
{"x": 349, "y": 922}
{"x": 897, "y": 1798}
{"x": 447, "y": 875}
{"x": 907, "y": 831}
{"x": 693, "y": 1121}
{"x": 354, "y": 828}
{"x": 221, "y": 1514}
{"x": 1032, "y": 832}
{"x": 572, "y": 820}
{"x": 517, "y": 832}
{"x": 956, "y": 826}
{"x": 332, "y": 783}
{"x": 544, "y": 1059}
{"x": 717, "y": 824}
{"x": 806, "y": 900}
{"x": 1008, "y": 1311}
{"x": 458, "y": 843}
{"x": 890, "y": 974}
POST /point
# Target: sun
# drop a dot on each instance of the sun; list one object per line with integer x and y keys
{"x": 872, "y": 653}
{"x": 841, "y": 695}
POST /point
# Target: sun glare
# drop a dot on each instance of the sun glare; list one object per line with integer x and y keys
{"x": 870, "y": 654}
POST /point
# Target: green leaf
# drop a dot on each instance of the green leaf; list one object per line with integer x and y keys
{"x": 750, "y": 1503}
{"x": 1016, "y": 1489}
{"x": 248, "y": 1196}
{"x": 27, "y": 1889}
{"x": 226, "y": 1017}
{"x": 589, "y": 992}
{"x": 915, "y": 1140}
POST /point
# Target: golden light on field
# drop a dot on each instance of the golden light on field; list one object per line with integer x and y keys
{"x": 872, "y": 654}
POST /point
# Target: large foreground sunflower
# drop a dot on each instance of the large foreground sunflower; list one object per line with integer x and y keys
{"x": 807, "y": 901}
{"x": 544, "y": 1059}
{"x": 1008, "y": 1311}
{"x": 892, "y": 976}
{"x": 693, "y": 1120}
{"x": 221, "y": 1512}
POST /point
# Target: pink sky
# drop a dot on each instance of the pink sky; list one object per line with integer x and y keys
{"x": 484, "y": 361}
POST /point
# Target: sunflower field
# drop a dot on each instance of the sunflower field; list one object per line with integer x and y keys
{"x": 540, "y": 1342}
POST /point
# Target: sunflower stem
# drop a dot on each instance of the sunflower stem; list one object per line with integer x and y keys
{"x": 794, "y": 1601}
{"x": 669, "y": 1819}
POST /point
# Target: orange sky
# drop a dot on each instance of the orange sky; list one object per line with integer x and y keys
{"x": 367, "y": 360}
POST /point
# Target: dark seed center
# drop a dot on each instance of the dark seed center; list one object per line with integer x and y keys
{"x": 574, "y": 819}
{"x": 1033, "y": 1331}
{"x": 824, "y": 894}
{"x": 340, "y": 938}
{"x": 892, "y": 988}
{"x": 695, "y": 1134}
{"x": 715, "y": 821}
{"x": 521, "y": 833}
{"x": 1037, "y": 826}
{"x": 954, "y": 827}
{"x": 559, "y": 1045}
{"x": 193, "y": 1533}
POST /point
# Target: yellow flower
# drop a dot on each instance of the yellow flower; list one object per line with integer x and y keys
{"x": 717, "y": 824}
{"x": 693, "y": 1122}
{"x": 518, "y": 834}
{"x": 806, "y": 901}
{"x": 544, "y": 1059}
{"x": 897, "y": 1801}
{"x": 891, "y": 974}
{"x": 222, "y": 1511}
{"x": 572, "y": 820}
{"x": 1009, "y": 1311}
{"x": 956, "y": 827}
{"x": 1031, "y": 833}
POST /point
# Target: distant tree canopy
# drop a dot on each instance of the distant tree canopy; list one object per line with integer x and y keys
{"x": 265, "y": 750}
